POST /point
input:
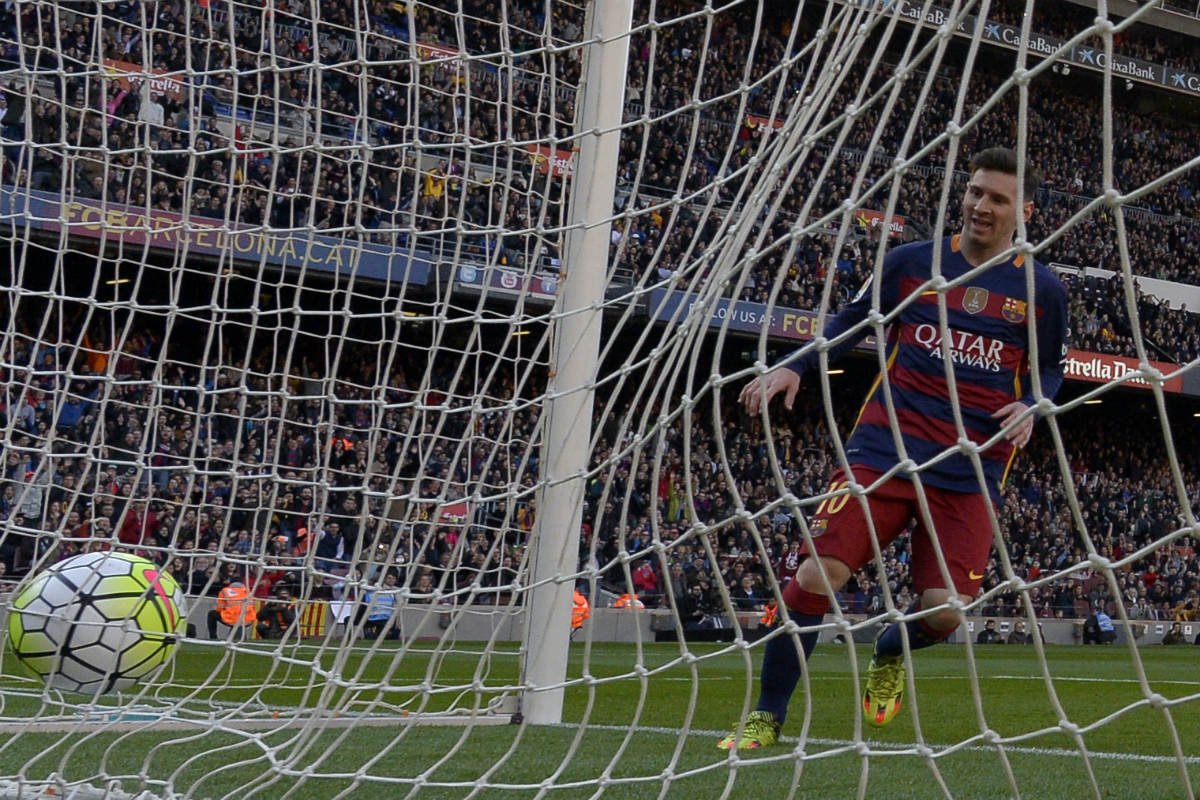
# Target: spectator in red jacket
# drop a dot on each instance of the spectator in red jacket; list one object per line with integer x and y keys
{"x": 139, "y": 524}
{"x": 645, "y": 582}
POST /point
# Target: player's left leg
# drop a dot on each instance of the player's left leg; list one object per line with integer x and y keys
{"x": 842, "y": 540}
{"x": 963, "y": 534}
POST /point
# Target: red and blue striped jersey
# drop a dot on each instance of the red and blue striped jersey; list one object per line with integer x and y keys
{"x": 989, "y": 345}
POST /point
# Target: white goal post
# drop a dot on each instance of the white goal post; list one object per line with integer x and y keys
{"x": 574, "y": 361}
{"x": 408, "y": 336}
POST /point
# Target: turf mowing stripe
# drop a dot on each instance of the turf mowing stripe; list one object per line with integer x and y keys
{"x": 1084, "y": 680}
{"x": 876, "y": 745}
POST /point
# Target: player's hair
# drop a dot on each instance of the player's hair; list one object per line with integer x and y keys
{"x": 1003, "y": 159}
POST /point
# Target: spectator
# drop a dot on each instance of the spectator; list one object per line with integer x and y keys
{"x": 381, "y": 619}
{"x": 139, "y": 526}
{"x": 745, "y": 597}
{"x": 645, "y": 582}
{"x": 1019, "y": 635}
{"x": 277, "y": 615}
{"x": 693, "y": 609}
{"x": 1174, "y": 635}
{"x": 989, "y": 634}
{"x": 151, "y": 111}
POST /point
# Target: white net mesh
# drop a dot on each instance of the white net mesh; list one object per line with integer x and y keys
{"x": 292, "y": 296}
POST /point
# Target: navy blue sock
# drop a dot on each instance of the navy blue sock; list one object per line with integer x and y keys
{"x": 920, "y": 635}
{"x": 781, "y": 666}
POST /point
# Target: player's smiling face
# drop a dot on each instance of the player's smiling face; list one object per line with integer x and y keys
{"x": 990, "y": 214}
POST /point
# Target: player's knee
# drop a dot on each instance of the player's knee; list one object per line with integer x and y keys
{"x": 945, "y": 621}
{"x": 945, "y": 618}
{"x": 813, "y": 573}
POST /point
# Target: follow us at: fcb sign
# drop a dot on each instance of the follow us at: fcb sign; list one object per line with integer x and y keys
{"x": 738, "y": 315}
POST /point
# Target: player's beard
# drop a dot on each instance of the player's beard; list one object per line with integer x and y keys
{"x": 984, "y": 237}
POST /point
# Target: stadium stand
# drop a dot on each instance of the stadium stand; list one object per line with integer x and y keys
{"x": 1122, "y": 483}
{"x": 391, "y": 196}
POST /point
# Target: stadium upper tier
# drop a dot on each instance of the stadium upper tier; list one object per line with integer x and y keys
{"x": 274, "y": 118}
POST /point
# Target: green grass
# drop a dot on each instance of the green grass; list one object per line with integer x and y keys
{"x": 626, "y": 731}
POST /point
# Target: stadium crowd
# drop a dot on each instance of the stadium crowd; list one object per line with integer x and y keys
{"x": 344, "y": 162}
{"x": 325, "y": 478}
{"x": 220, "y": 474}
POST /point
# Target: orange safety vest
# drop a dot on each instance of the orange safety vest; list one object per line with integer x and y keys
{"x": 236, "y": 606}
{"x": 580, "y": 610}
{"x": 628, "y": 601}
{"x": 769, "y": 614}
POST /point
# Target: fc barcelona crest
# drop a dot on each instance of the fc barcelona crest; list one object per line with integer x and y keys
{"x": 974, "y": 299}
{"x": 1013, "y": 310}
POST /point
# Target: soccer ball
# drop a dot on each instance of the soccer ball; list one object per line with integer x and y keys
{"x": 96, "y": 622}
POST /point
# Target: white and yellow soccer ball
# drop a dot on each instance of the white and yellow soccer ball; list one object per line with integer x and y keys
{"x": 96, "y": 622}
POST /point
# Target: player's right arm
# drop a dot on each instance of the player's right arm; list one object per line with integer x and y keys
{"x": 785, "y": 376}
{"x": 763, "y": 388}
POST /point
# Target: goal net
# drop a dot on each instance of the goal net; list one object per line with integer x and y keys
{"x": 407, "y": 338}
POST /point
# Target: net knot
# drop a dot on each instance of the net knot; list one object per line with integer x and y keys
{"x": 1151, "y": 373}
{"x": 1068, "y": 727}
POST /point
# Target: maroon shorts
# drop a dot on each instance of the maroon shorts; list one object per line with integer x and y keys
{"x": 961, "y": 525}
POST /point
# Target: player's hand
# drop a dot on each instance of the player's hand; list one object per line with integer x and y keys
{"x": 1020, "y": 433}
{"x": 765, "y": 387}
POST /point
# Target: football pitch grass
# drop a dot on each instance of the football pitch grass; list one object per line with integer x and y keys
{"x": 631, "y": 729}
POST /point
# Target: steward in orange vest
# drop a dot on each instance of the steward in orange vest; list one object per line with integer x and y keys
{"x": 235, "y": 608}
{"x": 581, "y": 609}
{"x": 770, "y": 613}
{"x": 628, "y": 601}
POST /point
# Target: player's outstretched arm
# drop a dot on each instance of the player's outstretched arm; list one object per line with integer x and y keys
{"x": 787, "y": 378}
{"x": 763, "y": 389}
